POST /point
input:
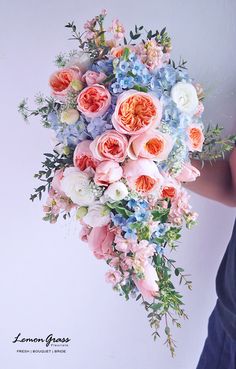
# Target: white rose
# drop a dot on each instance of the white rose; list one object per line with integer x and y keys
{"x": 81, "y": 60}
{"x": 69, "y": 116}
{"x": 97, "y": 216}
{"x": 116, "y": 191}
{"x": 185, "y": 96}
{"x": 75, "y": 184}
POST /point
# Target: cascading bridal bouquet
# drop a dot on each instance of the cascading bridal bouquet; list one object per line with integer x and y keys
{"x": 126, "y": 122}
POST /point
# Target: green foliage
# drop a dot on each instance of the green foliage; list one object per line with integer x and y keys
{"x": 51, "y": 163}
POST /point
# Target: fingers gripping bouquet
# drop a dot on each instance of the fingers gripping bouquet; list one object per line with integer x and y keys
{"x": 126, "y": 121}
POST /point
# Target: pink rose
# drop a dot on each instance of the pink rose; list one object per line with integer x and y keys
{"x": 188, "y": 173}
{"x": 91, "y": 77}
{"x": 83, "y": 157}
{"x": 148, "y": 286}
{"x": 100, "y": 242}
{"x": 152, "y": 144}
{"x": 56, "y": 182}
{"x": 107, "y": 172}
{"x": 136, "y": 112}
{"x": 113, "y": 277}
{"x": 142, "y": 175}
{"x": 93, "y": 101}
{"x": 60, "y": 81}
{"x": 110, "y": 145}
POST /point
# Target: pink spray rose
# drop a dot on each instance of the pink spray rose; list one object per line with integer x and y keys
{"x": 61, "y": 80}
{"x": 100, "y": 242}
{"x": 136, "y": 112}
{"x": 188, "y": 173}
{"x": 152, "y": 144}
{"x": 148, "y": 286}
{"x": 110, "y": 145}
{"x": 142, "y": 175}
{"x": 107, "y": 172}
{"x": 83, "y": 157}
{"x": 91, "y": 77}
{"x": 93, "y": 101}
{"x": 56, "y": 182}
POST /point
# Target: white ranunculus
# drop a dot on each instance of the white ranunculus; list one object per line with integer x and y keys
{"x": 81, "y": 60}
{"x": 76, "y": 185}
{"x": 185, "y": 96}
{"x": 116, "y": 191}
{"x": 97, "y": 216}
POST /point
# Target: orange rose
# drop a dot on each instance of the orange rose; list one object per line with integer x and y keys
{"x": 196, "y": 137}
{"x": 136, "y": 112}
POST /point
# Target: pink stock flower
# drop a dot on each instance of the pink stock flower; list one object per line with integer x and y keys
{"x": 93, "y": 101}
{"x": 142, "y": 175}
{"x": 100, "y": 242}
{"x": 152, "y": 144}
{"x": 151, "y": 54}
{"x": 136, "y": 112}
{"x": 188, "y": 173}
{"x": 117, "y": 29}
{"x": 83, "y": 157}
{"x": 61, "y": 80}
{"x": 84, "y": 233}
{"x": 179, "y": 207}
{"x": 91, "y": 77}
{"x": 148, "y": 285}
{"x": 107, "y": 172}
{"x": 113, "y": 276}
{"x": 110, "y": 145}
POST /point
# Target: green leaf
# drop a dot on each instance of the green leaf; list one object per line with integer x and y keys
{"x": 160, "y": 214}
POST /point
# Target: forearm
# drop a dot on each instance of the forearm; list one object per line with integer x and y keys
{"x": 217, "y": 180}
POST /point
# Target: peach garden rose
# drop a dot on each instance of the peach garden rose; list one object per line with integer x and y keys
{"x": 110, "y": 145}
{"x": 136, "y": 112}
{"x": 61, "y": 80}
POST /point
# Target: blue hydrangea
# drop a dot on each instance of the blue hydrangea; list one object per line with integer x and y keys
{"x": 105, "y": 66}
{"x": 97, "y": 126}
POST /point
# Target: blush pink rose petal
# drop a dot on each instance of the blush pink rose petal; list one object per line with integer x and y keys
{"x": 148, "y": 286}
{"x": 110, "y": 145}
{"x": 189, "y": 173}
{"x": 107, "y": 172}
{"x": 152, "y": 144}
{"x": 93, "y": 101}
{"x": 56, "y": 182}
{"x": 100, "y": 242}
{"x": 91, "y": 77}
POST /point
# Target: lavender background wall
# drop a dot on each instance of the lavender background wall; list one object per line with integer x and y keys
{"x": 49, "y": 281}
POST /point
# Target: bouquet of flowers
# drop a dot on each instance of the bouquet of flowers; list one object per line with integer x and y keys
{"x": 126, "y": 121}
